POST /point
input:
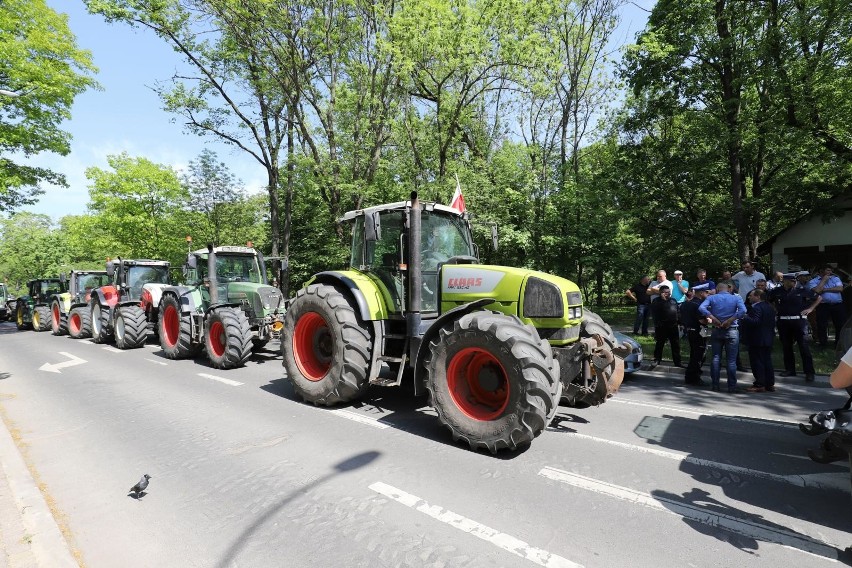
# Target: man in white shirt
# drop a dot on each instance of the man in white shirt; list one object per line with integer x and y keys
{"x": 745, "y": 279}
{"x": 654, "y": 287}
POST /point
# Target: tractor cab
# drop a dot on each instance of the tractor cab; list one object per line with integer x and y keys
{"x": 129, "y": 276}
{"x": 41, "y": 290}
{"x": 380, "y": 249}
{"x": 233, "y": 264}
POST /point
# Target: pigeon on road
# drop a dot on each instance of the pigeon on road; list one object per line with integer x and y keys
{"x": 139, "y": 489}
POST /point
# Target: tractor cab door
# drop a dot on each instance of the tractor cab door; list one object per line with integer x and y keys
{"x": 377, "y": 250}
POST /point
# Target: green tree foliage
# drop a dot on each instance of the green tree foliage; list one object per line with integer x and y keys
{"x": 41, "y": 72}
{"x": 139, "y": 204}
{"x": 30, "y": 247}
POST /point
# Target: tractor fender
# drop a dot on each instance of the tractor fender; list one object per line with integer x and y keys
{"x": 189, "y": 302}
{"x": 593, "y": 324}
{"x": 220, "y": 305}
{"x": 64, "y": 301}
{"x": 106, "y": 295}
{"x": 443, "y": 320}
{"x": 361, "y": 306}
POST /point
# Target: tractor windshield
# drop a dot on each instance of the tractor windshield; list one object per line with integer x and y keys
{"x": 138, "y": 276}
{"x": 443, "y": 237}
{"x": 88, "y": 282}
{"x": 233, "y": 268}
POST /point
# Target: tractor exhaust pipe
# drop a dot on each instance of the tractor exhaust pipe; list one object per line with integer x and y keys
{"x": 211, "y": 275}
{"x": 415, "y": 277}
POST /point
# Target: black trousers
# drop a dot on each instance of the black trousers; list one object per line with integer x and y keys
{"x": 790, "y": 332}
{"x": 670, "y": 333}
{"x": 697, "y": 352}
{"x": 824, "y": 312}
{"x": 760, "y": 361}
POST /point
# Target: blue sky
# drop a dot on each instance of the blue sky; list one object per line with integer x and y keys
{"x": 127, "y": 116}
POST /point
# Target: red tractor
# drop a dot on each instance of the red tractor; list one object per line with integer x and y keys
{"x": 127, "y": 309}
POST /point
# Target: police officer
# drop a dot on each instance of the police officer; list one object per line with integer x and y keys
{"x": 693, "y": 322}
{"x": 793, "y": 305}
{"x": 829, "y": 287}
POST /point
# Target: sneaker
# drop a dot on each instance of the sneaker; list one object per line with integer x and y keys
{"x": 653, "y": 364}
{"x": 809, "y": 378}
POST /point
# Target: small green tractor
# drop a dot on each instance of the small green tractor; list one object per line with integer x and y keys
{"x": 496, "y": 348}
{"x": 33, "y": 309}
{"x": 227, "y": 307}
{"x": 6, "y": 302}
{"x": 69, "y": 311}
{"x": 126, "y": 308}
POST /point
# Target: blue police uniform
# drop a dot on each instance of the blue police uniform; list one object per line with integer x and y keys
{"x": 792, "y": 325}
{"x": 830, "y": 308}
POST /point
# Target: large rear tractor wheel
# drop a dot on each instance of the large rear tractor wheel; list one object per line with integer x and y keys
{"x": 130, "y": 327}
{"x": 325, "y": 347}
{"x": 41, "y": 318}
{"x": 491, "y": 380}
{"x": 227, "y": 337}
{"x": 100, "y": 323}
{"x": 20, "y": 316}
{"x": 58, "y": 320}
{"x": 80, "y": 323}
{"x": 175, "y": 330}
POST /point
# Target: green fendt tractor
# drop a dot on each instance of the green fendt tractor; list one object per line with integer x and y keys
{"x": 69, "y": 311}
{"x": 126, "y": 307}
{"x": 227, "y": 307}
{"x": 495, "y": 347}
{"x": 33, "y": 309}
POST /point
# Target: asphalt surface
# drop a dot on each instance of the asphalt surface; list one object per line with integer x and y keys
{"x": 245, "y": 474}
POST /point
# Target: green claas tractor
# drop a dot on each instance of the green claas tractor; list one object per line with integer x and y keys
{"x": 227, "y": 307}
{"x": 33, "y": 309}
{"x": 126, "y": 308}
{"x": 69, "y": 311}
{"x": 496, "y": 348}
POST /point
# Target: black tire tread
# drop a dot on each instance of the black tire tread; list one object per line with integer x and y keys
{"x": 184, "y": 348}
{"x": 135, "y": 327}
{"x": 62, "y": 327}
{"x": 237, "y": 338}
{"x": 85, "y": 323}
{"x": 42, "y": 314}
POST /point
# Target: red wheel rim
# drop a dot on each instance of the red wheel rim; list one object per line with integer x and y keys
{"x": 74, "y": 324}
{"x": 312, "y": 346}
{"x": 171, "y": 326}
{"x": 57, "y": 317}
{"x": 478, "y": 384}
{"x": 217, "y": 338}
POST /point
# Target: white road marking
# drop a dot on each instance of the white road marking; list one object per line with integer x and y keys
{"x": 86, "y": 341}
{"x": 837, "y": 482}
{"x": 155, "y": 361}
{"x": 220, "y": 379}
{"x": 152, "y": 346}
{"x": 112, "y": 349}
{"x": 745, "y": 527}
{"x": 682, "y": 410}
{"x": 54, "y": 368}
{"x": 374, "y": 422}
{"x": 501, "y": 540}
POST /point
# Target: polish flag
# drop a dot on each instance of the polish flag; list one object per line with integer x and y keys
{"x": 457, "y": 202}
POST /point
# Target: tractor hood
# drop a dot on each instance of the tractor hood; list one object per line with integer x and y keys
{"x": 155, "y": 291}
{"x": 264, "y": 299}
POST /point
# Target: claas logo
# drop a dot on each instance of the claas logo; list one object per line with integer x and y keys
{"x": 463, "y": 283}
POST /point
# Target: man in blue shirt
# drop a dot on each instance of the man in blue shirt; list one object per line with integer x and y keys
{"x": 829, "y": 287}
{"x": 724, "y": 310}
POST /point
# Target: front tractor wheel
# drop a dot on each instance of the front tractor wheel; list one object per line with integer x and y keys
{"x": 175, "y": 330}
{"x": 58, "y": 320}
{"x": 80, "y": 323}
{"x": 131, "y": 327}
{"x": 227, "y": 338}
{"x": 20, "y": 316}
{"x": 41, "y": 318}
{"x": 326, "y": 348}
{"x": 492, "y": 380}
{"x": 100, "y": 323}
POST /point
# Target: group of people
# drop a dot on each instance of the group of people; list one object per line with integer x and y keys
{"x": 744, "y": 308}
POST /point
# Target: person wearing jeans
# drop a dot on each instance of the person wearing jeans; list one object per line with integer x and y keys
{"x": 639, "y": 294}
{"x": 724, "y": 310}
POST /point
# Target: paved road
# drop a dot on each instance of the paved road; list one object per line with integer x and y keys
{"x": 244, "y": 474}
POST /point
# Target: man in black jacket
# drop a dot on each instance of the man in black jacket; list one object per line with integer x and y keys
{"x": 758, "y": 329}
{"x": 664, "y": 311}
{"x": 692, "y": 321}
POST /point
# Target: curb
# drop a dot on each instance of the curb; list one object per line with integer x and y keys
{"x": 47, "y": 544}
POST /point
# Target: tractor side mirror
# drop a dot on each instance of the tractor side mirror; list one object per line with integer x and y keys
{"x": 372, "y": 227}
{"x": 110, "y": 269}
{"x": 191, "y": 261}
{"x": 63, "y": 278}
{"x": 494, "y": 239}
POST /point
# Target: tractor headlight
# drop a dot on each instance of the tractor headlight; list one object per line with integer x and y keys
{"x": 575, "y": 312}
